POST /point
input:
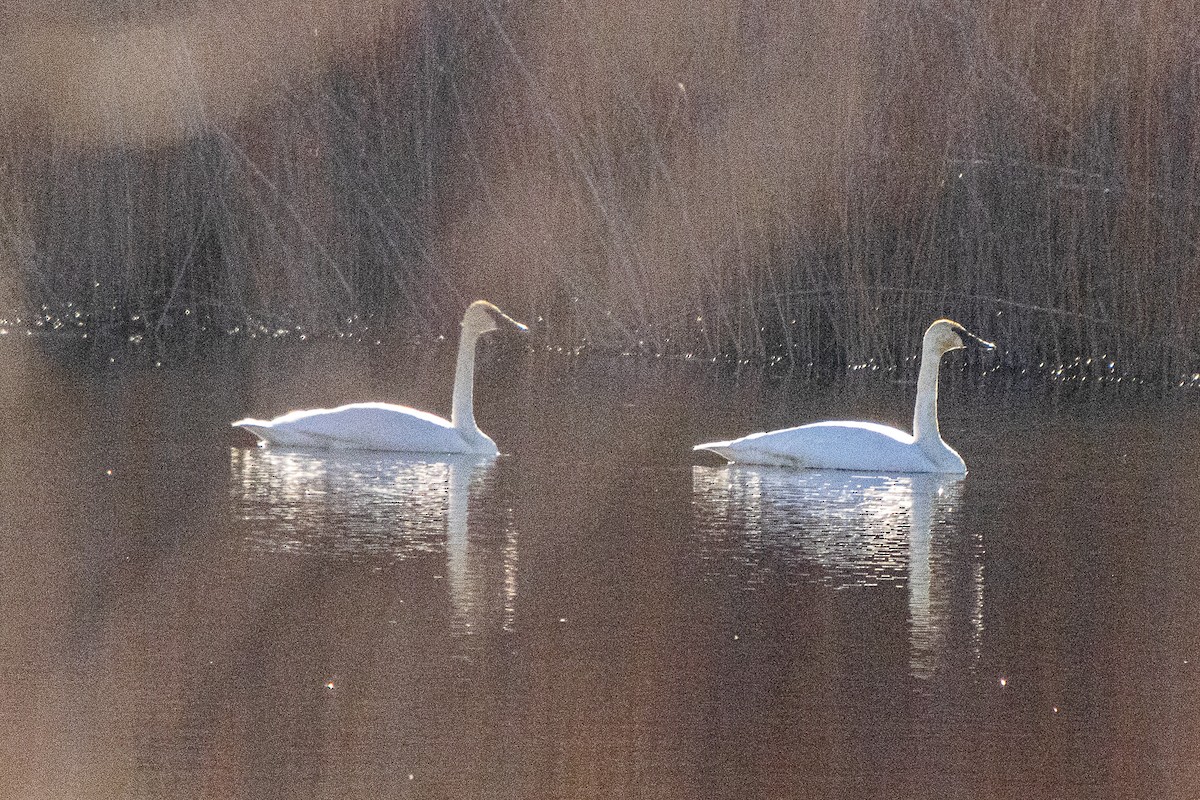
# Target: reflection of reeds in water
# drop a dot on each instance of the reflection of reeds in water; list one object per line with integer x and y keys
{"x": 845, "y": 530}
{"x": 365, "y": 505}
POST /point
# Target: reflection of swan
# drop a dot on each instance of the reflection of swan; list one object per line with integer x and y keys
{"x": 841, "y": 529}
{"x": 351, "y": 503}
{"x": 358, "y": 505}
{"x": 939, "y": 596}
{"x": 866, "y": 446}
{"x": 383, "y": 426}
{"x": 468, "y": 566}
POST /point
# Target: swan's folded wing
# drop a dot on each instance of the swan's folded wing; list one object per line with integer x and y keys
{"x": 828, "y": 445}
{"x": 361, "y": 426}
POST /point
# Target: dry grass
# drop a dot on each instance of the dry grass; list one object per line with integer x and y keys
{"x": 807, "y": 182}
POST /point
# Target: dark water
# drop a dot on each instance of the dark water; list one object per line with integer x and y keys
{"x": 596, "y": 613}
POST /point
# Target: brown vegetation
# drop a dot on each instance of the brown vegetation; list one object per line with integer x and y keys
{"x": 806, "y": 181}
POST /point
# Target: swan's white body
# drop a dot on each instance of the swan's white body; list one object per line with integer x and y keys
{"x": 367, "y": 426}
{"x": 865, "y": 446}
{"x": 383, "y": 426}
{"x": 838, "y": 445}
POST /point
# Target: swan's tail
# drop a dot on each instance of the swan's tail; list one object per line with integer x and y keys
{"x": 722, "y": 449}
{"x": 260, "y": 428}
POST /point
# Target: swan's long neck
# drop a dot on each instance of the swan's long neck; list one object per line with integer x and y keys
{"x": 925, "y": 417}
{"x": 462, "y": 413}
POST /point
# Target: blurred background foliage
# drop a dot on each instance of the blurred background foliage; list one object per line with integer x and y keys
{"x": 804, "y": 181}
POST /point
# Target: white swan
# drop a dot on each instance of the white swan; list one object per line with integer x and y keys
{"x": 383, "y": 426}
{"x": 866, "y": 445}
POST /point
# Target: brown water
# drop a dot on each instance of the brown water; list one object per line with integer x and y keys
{"x": 598, "y": 613}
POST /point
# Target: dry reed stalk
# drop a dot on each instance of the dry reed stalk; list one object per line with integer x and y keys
{"x": 804, "y": 183}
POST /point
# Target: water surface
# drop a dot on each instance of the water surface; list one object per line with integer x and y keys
{"x": 597, "y": 613}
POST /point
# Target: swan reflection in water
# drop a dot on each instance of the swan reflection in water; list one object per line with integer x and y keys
{"x": 366, "y": 505}
{"x": 843, "y": 530}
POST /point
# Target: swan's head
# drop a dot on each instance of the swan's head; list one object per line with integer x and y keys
{"x": 946, "y": 335}
{"x": 482, "y": 317}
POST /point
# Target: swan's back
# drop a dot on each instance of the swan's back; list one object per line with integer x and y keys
{"x": 365, "y": 426}
{"x": 829, "y": 445}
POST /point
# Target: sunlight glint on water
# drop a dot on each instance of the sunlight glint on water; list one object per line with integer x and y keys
{"x": 846, "y": 530}
{"x": 361, "y": 504}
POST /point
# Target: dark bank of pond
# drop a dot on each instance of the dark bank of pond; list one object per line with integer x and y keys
{"x": 599, "y": 612}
